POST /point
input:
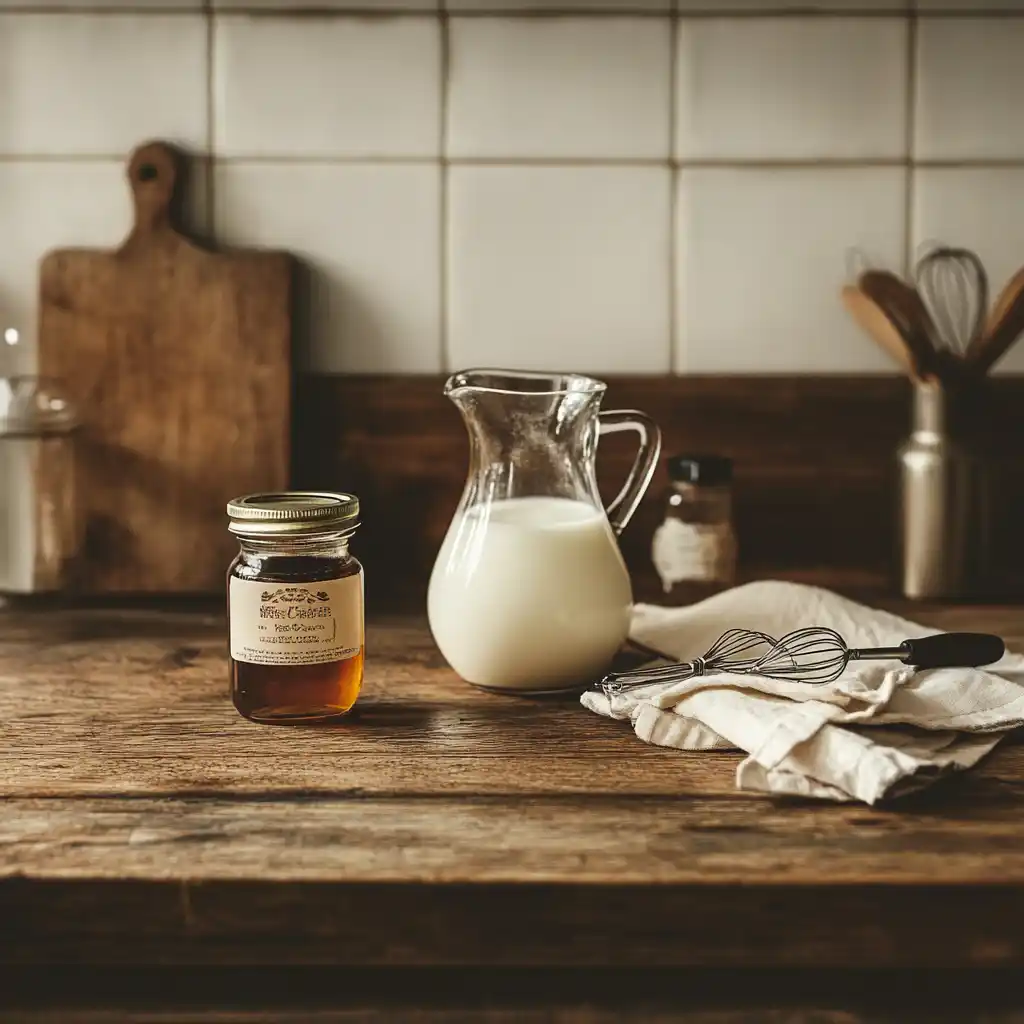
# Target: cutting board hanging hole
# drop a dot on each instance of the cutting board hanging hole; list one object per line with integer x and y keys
{"x": 153, "y": 174}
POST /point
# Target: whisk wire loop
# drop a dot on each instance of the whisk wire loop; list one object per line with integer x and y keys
{"x": 736, "y": 650}
{"x": 954, "y": 288}
{"x": 815, "y": 654}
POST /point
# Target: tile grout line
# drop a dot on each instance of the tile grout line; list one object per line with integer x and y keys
{"x": 444, "y": 183}
{"x": 844, "y": 163}
{"x": 358, "y": 11}
{"x": 675, "y": 27}
{"x": 911, "y": 130}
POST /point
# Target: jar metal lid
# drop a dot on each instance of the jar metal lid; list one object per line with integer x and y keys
{"x": 705, "y": 470}
{"x": 293, "y": 513}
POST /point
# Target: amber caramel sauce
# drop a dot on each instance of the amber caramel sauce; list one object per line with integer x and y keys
{"x": 296, "y": 693}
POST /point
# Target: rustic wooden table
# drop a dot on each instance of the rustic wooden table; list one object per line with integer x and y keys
{"x": 143, "y": 822}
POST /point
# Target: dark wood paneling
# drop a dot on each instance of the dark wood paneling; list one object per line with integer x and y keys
{"x": 272, "y": 995}
{"x": 815, "y": 484}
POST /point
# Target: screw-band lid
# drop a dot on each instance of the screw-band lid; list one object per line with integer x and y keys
{"x": 293, "y": 513}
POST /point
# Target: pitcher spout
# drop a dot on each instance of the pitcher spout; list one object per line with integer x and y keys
{"x": 510, "y": 383}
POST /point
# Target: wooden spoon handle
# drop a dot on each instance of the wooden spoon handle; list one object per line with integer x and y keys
{"x": 1004, "y": 326}
{"x": 995, "y": 345}
{"x": 873, "y": 320}
{"x": 903, "y": 307}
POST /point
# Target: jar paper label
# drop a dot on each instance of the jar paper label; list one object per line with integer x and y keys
{"x": 693, "y": 551}
{"x": 277, "y": 624}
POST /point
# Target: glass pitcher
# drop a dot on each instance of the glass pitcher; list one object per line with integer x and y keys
{"x": 529, "y": 591}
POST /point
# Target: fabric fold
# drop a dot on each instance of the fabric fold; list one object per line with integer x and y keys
{"x": 880, "y": 730}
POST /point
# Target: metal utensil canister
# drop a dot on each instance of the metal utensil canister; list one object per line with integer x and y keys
{"x": 40, "y": 532}
{"x": 942, "y": 515}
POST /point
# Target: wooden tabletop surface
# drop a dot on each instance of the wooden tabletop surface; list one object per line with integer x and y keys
{"x": 142, "y": 820}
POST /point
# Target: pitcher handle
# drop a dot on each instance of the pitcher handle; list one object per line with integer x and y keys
{"x": 621, "y": 508}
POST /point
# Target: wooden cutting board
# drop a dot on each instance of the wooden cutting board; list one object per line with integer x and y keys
{"x": 180, "y": 362}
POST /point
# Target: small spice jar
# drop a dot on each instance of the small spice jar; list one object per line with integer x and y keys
{"x": 295, "y": 606}
{"x": 694, "y": 548}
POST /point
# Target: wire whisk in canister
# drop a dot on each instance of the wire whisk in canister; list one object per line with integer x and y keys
{"x": 814, "y": 654}
{"x": 954, "y": 288}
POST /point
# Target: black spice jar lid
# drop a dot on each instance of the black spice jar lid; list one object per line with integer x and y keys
{"x": 705, "y": 470}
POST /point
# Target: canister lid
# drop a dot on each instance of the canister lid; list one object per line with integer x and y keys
{"x": 34, "y": 407}
{"x": 293, "y": 513}
{"x": 704, "y": 470}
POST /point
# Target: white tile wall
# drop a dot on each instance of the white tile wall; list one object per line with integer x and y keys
{"x": 560, "y": 267}
{"x": 55, "y": 204}
{"x": 49, "y": 205}
{"x": 620, "y": 186}
{"x": 96, "y": 85}
{"x": 791, "y": 88}
{"x": 970, "y": 79}
{"x": 762, "y": 257}
{"x": 565, "y": 87}
{"x": 547, "y": 6}
{"x": 103, "y": 5}
{"x": 327, "y": 87}
{"x": 368, "y": 237}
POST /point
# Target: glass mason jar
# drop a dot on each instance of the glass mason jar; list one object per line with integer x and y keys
{"x": 40, "y": 510}
{"x": 295, "y": 607}
{"x": 694, "y": 548}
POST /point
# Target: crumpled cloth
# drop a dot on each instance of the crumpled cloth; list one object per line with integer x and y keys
{"x": 882, "y": 729}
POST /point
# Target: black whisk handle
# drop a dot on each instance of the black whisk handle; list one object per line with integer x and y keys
{"x": 948, "y": 650}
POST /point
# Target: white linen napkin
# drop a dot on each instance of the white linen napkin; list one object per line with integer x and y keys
{"x": 880, "y": 730}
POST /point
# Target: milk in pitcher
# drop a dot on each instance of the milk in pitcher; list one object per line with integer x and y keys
{"x": 530, "y": 593}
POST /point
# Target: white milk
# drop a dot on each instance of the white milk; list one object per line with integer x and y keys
{"x": 530, "y": 594}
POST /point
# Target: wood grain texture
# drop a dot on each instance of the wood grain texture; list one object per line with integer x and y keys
{"x": 142, "y": 820}
{"x": 815, "y": 484}
{"x": 179, "y": 359}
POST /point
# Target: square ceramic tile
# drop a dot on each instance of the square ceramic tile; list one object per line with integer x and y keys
{"x": 560, "y": 87}
{"x": 134, "y": 5}
{"x": 775, "y": 6}
{"x": 559, "y": 268}
{"x": 970, "y": 76}
{"x": 327, "y": 86}
{"x": 99, "y": 84}
{"x": 305, "y": 6}
{"x": 369, "y": 238}
{"x": 762, "y": 256}
{"x": 543, "y": 6}
{"x": 970, "y": 207}
{"x": 51, "y": 204}
{"x": 791, "y": 88}
{"x": 970, "y": 6}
